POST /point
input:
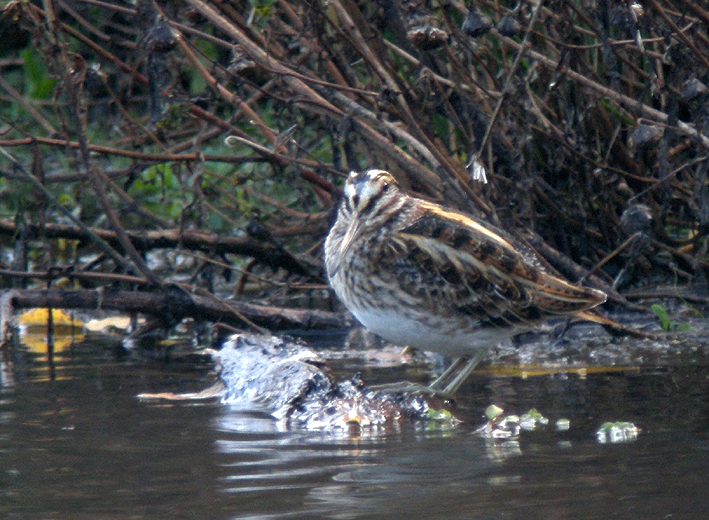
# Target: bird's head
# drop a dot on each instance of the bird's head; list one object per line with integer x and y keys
{"x": 368, "y": 190}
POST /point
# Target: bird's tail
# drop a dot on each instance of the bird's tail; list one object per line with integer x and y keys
{"x": 555, "y": 296}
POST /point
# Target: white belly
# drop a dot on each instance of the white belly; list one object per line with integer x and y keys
{"x": 447, "y": 339}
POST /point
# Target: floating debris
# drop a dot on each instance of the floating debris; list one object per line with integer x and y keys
{"x": 616, "y": 432}
{"x": 532, "y": 419}
{"x": 562, "y": 425}
{"x": 499, "y": 426}
{"x": 292, "y": 383}
{"x": 493, "y": 412}
{"x": 115, "y": 325}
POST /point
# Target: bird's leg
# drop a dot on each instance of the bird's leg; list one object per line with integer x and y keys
{"x": 447, "y": 383}
{"x": 457, "y": 373}
{"x": 440, "y": 382}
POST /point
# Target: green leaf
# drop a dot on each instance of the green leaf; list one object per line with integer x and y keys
{"x": 493, "y": 411}
{"x": 662, "y": 315}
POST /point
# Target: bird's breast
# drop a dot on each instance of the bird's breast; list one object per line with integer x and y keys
{"x": 452, "y": 336}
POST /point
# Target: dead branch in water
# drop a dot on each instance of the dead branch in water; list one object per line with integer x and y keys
{"x": 175, "y": 304}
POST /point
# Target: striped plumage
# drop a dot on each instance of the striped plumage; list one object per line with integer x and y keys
{"x": 419, "y": 274}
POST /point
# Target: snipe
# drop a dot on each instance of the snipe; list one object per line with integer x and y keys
{"x": 420, "y": 274}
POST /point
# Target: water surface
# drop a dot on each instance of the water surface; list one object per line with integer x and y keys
{"x": 82, "y": 446}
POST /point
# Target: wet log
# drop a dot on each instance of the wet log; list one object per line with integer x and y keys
{"x": 174, "y": 304}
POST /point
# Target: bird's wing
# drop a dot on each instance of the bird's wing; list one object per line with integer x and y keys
{"x": 470, "y": 266}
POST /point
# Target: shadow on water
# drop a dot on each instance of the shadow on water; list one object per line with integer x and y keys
{"x": 82, "y": 446}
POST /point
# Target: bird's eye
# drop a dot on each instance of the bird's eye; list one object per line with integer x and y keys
{"x": 385, "y": 186}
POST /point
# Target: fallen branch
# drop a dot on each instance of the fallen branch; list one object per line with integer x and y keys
{"x": 269, "y": 254}
{"x": 172, "y": 305}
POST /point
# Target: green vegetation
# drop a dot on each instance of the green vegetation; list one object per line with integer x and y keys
{"x": 667, "y": 324}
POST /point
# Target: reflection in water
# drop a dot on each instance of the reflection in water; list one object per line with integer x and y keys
{"x": 7, "y": 376}
{"x": 84, "y": 447}
{"x": 501, "y": 449}
{"x": 65, "y": 330}
{"x": 342, "y": 476}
